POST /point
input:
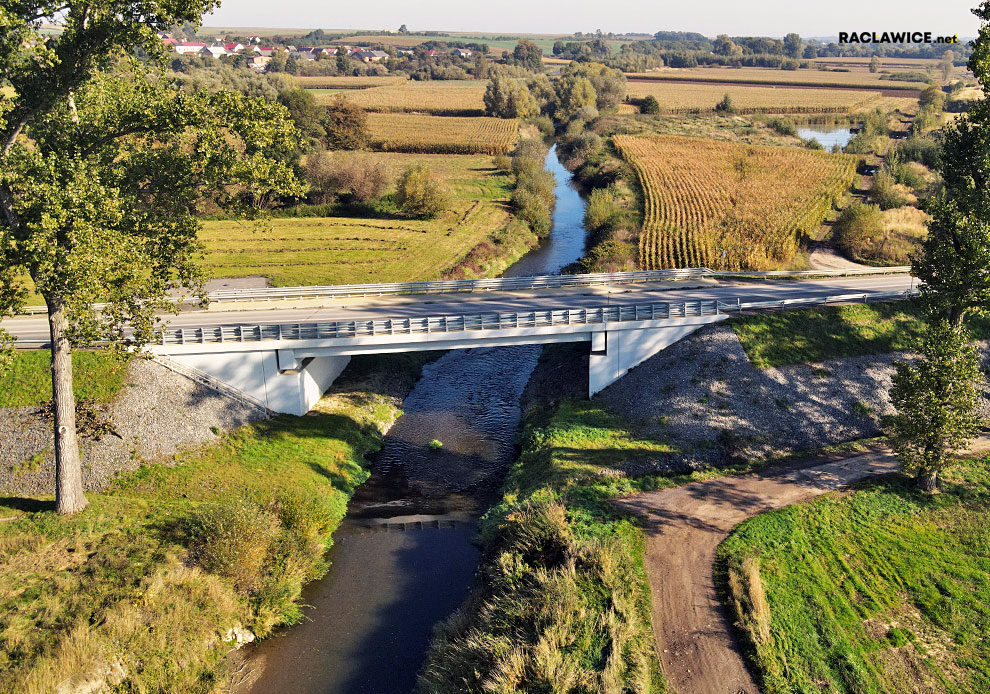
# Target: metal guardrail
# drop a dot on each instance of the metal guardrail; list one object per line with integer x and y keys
{"x": 604, "y": 315}
{"x": 512, "y": 284}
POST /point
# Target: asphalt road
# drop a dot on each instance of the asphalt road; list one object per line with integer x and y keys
{"x": 33, "y": 330}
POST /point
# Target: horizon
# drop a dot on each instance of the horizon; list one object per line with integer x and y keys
{"x": 773, "y": 18}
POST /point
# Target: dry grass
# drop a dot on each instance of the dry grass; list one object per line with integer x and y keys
{"x": 890, "y": 239}
{"x": 349, "y": 82}
{"x": 716, "y": 204}
{"x": 749, "y": 601}
{"x": 755, "y": 75}
{"x": 449, "y": 97}
{"x": 696, "y": 98}
{"x": 393, "y": 132}
{"x": 386, "y": 39}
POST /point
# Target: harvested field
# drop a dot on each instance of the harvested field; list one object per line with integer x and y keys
{"x": 857, "y": 79}
{"x": 449, "y": 98}
{"x": 716, "y": 204}
{"x": 348, "y": 82}
{"x": 675, "y": 97}
{"x": 386, "y": 39}
{"x": 392, "y": 132}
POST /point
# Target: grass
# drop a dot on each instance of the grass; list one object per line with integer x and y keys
{"x": 887, "y": 237}
{"x": 816, "y": 334}
{"x": 382, "y": 248}
{"x": 438, "y": 97}
{"x": 97, "y": 375}
{"x": 123, "y": 586}
{"x": 394, "y": 132}
{"x": 679, "y": 98}
{"x": 562, "y": 580}
{"x": 881, "y": 590}
{"x": 730, "y": 206}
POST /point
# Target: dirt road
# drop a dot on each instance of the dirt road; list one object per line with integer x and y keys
{"x": 685, "y": 525}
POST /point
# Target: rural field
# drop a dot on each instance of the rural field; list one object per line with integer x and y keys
{"x": 754, "y": 75}
{"x": 348, "y": 82}
{"x": 731, "y": 206}
{"x": 346, "y": 250}
{"x": 395, "y": 132}
{"x": 686, "y": 98}
{"x": 447, "y": 97}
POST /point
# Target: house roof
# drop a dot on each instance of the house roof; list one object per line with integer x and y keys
{"x": 192, "y": 44}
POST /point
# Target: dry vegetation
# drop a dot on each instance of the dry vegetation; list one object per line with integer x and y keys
{"x": 722, "y": 205}
{"x": 753, "y": 75}
{"x": 386, "y": 39}
{"x": 349, "y": 82}
{"x": 684, "y": 98}
{"x": 450, "y": 98}
{"x": 392, "y": 132}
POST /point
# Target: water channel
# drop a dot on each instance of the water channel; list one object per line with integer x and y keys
{"x": 403, "y": 558}
{"x": 827, "y": 138}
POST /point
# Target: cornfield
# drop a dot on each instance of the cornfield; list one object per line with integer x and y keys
{"x": 697, "y": 98}
{"x": 728, "y": 206}
{"x": 392, "y": 132}
{"x": 755, "y": 75}
{"x": 448, "y": 97}
{"x": 349, "y": 82}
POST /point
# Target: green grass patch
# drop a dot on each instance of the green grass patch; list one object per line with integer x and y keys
{"x": 881, "y": 590}
{"x": 562, "y": 578}
{"x": 97, "y": 375}
{"x": 817, "y": 334}
{"x": 153, "y": 574}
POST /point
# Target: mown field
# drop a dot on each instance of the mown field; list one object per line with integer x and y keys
{"x": 448, "y": 97}
{"x": 879, "y": 591}
{"x": 753, "y": 75}
{"x": 687, "y": 98}
{"x": 716, "y": 204}
{"x": 395, "y": 132}
{"x": 344, "y": 250}
{"x": 348, "y": 82}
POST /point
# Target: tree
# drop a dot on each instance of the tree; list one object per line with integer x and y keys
{"x": 421, "y": 193}
{"x": 725, "y": 105}
{"x": 574, "y": 93}
{"x": 482, "y": 66}
{"x": 649, "y": 105}
{"x": 105, "y": 161}
{"x": 792, "y": 45}
{"x": 403, "y": 29}
{"x": 507, "y": 98}
{"x": 345, "y": 125}
{"x": 528, "y": 55}
{"x": 933, "y": 96}
{"x": 946, "y": 64}
{"x": 937, "y": 400}
{"x": 725, "y": 46}
{"x": 609, "y": 84}
{"x": 875, "y": 63}
{"x": 305, "y": 112}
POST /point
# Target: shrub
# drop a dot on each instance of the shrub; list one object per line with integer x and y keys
{"x": 884, "y": 192}
{"x": 602, "y": 212}
{"x": 725, "y": 105}
{"x": 234, "y": 538}
{"x": 867, "y": 235}
{"x": 345, "y": 125}
{"x": 782, "y": 126}
{"x": 347, "y": 173}
{"x": 421, "y": 193}
{"x": 649, "y": 105}
{"x": 531, "y": 209}
{"x": 503, "y": 162}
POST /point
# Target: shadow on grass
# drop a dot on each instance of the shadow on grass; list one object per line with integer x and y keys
{"x": 27, "y": 504}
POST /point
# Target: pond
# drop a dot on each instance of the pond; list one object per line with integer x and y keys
{"x": 827, "y": 138}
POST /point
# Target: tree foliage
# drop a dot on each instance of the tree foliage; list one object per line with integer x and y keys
{"x": 345, "y": 125}
{"x": 421, "y": 193}
{"x": 937, "y": 400}
{"x": 509, "y": 98}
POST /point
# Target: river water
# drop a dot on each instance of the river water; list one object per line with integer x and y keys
{"x": 403, "y": 558}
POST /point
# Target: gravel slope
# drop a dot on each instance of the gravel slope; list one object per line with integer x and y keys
{"x": 157, "y": 414}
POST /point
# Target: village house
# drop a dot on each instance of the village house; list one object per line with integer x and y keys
{"x": 462, "y": 53}
{"x": 213, "y": 51}
{"x": 184, "y": 47}
{"x": 259, "y": 62}
{"x": 371, "y": 56}
{"x": 233, "y": 47}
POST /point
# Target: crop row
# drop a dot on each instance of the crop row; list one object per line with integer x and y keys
{"x": 682, "y": 98}
{"x": 392, "y": 132}
{"x": 729, "y": 206}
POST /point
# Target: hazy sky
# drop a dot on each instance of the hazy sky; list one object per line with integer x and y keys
{"x": 710, "y": 17}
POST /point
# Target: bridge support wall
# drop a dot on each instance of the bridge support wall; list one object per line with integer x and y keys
{"x": 614, "y": 352}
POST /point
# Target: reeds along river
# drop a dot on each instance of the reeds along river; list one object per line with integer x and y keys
{"x": 403, "y": 559}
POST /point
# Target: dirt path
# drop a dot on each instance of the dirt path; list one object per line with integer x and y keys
{"x": 685, "y": 525}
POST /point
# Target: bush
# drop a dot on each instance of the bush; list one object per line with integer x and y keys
{"x": 602, "y": 212}
{"x": 532, "y": 210}
{"x": 867, "y": 235}
{"x": 347, "y": 173}
{"x": 884, "y": 192}
{"x": 725, "y": 105}
{"x": 345, "y": 125}
{"x": 921, "y": 149}
{"x": 421, "y": 193}
{"x": 649, "y": 105}
{"x": 503, "y": 162}
{"x": 782, "y": 126}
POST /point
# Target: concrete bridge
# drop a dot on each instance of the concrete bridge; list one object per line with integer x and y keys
{"x": 285, "y": 358}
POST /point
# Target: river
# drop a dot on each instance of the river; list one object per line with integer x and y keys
{"x": 403, "y": 558}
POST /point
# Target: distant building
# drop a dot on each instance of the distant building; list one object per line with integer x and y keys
{"x": 266, "y": 51}
{"x": 189, "y": 47}
{"x": 213, "y": 51}
{"x": 259, "y": 62}
{"x": 371, "y": 56}
{"x": 233, "y": 47}
{"x": 462, "y": 53}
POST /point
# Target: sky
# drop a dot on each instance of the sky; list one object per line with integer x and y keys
{"x": 709, "y": 17}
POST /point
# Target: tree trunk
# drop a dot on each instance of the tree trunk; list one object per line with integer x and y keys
{"x": 69, "y": 496}
{"x": 927, "y": 481}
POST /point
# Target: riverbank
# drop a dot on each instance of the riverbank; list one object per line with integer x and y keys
{"x": 177, "y": 564}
